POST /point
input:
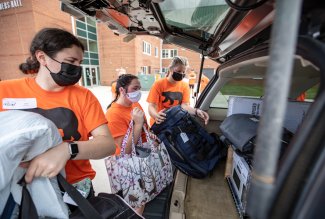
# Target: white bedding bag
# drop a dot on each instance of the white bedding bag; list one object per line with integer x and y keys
{"x": 24, "y": 135}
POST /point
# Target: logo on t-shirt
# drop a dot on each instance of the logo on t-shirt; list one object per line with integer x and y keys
{"x": 172, "y": 96}
{"x": 64, "y": 119}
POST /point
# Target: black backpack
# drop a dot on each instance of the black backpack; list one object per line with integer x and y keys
{"x": 191, "y": 148}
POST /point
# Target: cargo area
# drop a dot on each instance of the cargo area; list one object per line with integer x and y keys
{"x": 210, "y": 198}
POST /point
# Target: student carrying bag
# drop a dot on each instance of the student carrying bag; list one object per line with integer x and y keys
{"x": 191, "y": 148}
{"x": 141, "y": 175}
{"x": 23, "y": 136}
{"x": 103, "y": 206}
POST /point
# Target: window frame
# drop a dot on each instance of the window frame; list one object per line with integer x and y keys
{"x": 156, "y": 51}
{"x": 146, "y": 48}
{"x": 169, "y": 53}
{"x": 145, "y": 69}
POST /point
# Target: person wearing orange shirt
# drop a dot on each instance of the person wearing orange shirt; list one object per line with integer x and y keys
{"x": 172, "y": 91}
{"x": 301, "y": 97}
{"x": 192, "y": 78}
{"x": 123, "y": 109}
{"x": 56, "y": 56}
{"x": 204, "y": 82}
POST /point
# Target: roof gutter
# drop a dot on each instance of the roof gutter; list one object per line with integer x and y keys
{"x": 283, "y": 44}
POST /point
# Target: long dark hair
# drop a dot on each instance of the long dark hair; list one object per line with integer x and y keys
{"x": 122, "y": 81}
{"x": 51, "y": 41}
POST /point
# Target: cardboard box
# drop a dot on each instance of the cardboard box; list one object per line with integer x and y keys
{"x": 229, "y": 161}
{"x": 295, "y": 113}
{"x": 240, "y": 180}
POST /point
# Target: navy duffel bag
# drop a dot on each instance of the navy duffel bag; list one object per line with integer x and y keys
{"x": 191, "y": 148}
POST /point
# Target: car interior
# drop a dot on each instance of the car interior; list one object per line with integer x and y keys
{"x": 243, "y": 72}
{"x": 238, "y": 35}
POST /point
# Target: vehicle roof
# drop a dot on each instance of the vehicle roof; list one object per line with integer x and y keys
{"x": 213, "y": 28}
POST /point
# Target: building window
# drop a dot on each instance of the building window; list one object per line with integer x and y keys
{"x": 164, "y": 70}
{"x": 146, "y": 48}
{"x": 173, "y": 53}
{"x": 146, "y": 69}
{"x": 87, "y": 33}
{"x": 164, "y": 54}
{"x": 156, "y": 51}
{"x": 169, "y": 53}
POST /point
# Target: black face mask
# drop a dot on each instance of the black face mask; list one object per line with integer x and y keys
{"x": 178, "y": 76}
{"x": 68, "y": 75}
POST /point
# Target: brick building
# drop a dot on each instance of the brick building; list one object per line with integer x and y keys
{"x": 194, "y": 58}
{"x": 105, "y": 55}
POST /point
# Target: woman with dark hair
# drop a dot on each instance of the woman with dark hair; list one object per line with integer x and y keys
{"x": 56, "y": 56}
{"x": 123, "y": 109}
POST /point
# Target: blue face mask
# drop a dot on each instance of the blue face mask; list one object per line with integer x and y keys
{"x": 68, "y": 75}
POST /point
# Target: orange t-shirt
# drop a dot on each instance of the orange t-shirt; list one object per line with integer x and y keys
{"x": 166, "y": 94}
{"x": 301, "y": 97}
{"x": 192, "y": 78}
{"x": 119, "y": 117}
{"x": 74, "y": 110}
{"x": 204, "y": 82}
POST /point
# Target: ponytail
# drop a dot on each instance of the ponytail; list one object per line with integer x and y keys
{"x": 31, "y": 65}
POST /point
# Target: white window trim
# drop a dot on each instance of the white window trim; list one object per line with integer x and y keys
{"x": 156, "y": 51}
{"x": 164, "y": 69}
{"x": 169, "y": 53}
{"x": 144, "y": 69}
{"x": 146, "y": 48}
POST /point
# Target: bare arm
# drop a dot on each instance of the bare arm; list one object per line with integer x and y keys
{"x": 198, "y": 112}
{"x": 52, "y": 161}
{"x": 160, "y": 116}
{"x": 153, "y": 110}
{"x": 100, "y": 146}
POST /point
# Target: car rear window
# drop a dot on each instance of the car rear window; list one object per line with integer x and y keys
{"x": 253, "y": 88}
{"x": 194, "y": 17}
{"x": 245, "y": 87}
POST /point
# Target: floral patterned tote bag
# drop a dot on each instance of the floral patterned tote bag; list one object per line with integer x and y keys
{"x": 141, "y": 175}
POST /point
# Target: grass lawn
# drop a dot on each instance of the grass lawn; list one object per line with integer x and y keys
{"x": 311, "y": 93}
{"x": 257, "y": 91}
{"x": 238, "y": 90}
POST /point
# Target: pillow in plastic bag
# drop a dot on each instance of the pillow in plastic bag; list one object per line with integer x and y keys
{"x": 24, "y": 135}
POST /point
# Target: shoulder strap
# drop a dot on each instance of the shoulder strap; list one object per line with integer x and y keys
{"x": 9, "y": 208}
{"x": 84, "y": 206}
{"x": 27, "y": 207}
